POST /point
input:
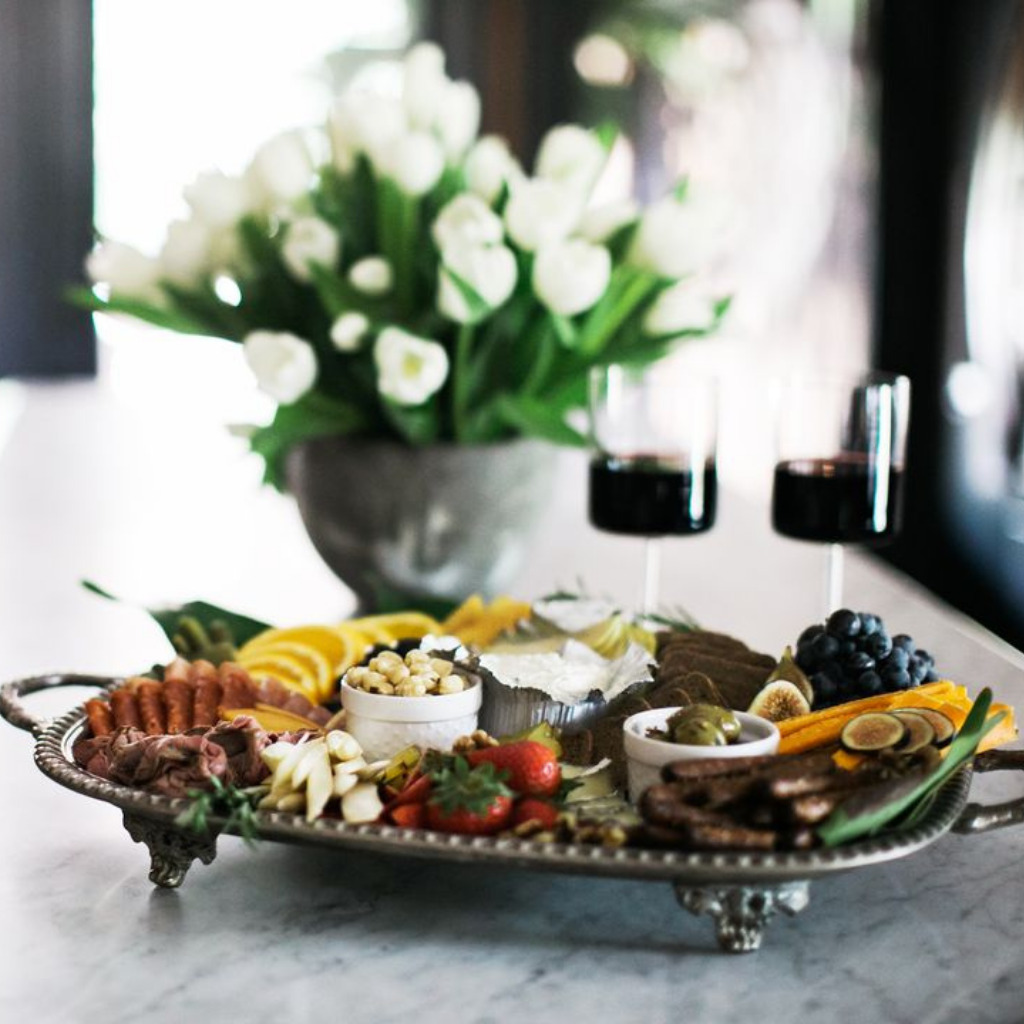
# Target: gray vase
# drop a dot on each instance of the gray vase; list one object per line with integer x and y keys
{"x": 396, "y": 522}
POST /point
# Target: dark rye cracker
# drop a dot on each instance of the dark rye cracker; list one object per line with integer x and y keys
{"x": 737, "y": 683}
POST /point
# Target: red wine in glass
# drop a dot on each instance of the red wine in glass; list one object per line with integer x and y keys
{"x": 840, "y": 500}
{"x": 651, "y": 496}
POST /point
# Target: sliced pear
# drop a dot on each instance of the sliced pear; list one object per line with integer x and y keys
{"x": 344, "y": 781}
{"x": 361, "y": 804}
{"x": 342, "y": 746}
{"x": 316, "y": 751}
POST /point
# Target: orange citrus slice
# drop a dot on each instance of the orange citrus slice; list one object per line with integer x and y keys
{"x": 325, "y": 639}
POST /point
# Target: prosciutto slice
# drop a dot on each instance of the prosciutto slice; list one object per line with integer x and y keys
{"x": 173, "y": 764}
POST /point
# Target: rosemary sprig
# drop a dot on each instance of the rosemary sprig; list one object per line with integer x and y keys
{"x": 235, "y": 804}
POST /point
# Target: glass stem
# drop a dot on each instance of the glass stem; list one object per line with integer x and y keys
{"x": 652, "y": 574}
{"x": 834, "y": 579}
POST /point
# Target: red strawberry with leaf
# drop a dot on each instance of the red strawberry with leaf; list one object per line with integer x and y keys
{"x": 468, "y": 800}
{"x": 529, "y": 767}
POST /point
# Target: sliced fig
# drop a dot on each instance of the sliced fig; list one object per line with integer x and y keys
{"x": 778, "y": 701}
{"x": 789, "y": 671}
{"x": 920, "y": 732}
{"x": 874, "y": 730}
{"x": 944, "y": 726}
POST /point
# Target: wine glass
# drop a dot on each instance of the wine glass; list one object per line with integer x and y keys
{"x": 652, "y": 470}
{"x": 839, "y": 472}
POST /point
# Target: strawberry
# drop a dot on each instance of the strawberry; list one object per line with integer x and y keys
{"x": 531, "y": 808}
{"x": 530, "y": 768}
{"x": 471, "y": 801}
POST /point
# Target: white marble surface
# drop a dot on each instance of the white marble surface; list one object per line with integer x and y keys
{"x": 159, "y": 507}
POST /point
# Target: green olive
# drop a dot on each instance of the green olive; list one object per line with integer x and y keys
{"x": 729, "y": 724}
{"x": 723, "y": 718}
{"x": 699, "y": 732}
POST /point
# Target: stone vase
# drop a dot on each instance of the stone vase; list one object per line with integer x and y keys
{"x": 396, "y": 522}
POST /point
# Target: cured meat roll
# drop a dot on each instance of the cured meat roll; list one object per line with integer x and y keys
{"x": 151, "y": 708}
{"x": 208, "y": 695}
{"x": 101, "y": 718}
{"x": 239, "y": 689}
{"x": 125, "y": 709}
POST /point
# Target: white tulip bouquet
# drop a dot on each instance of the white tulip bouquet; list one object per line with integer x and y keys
{"x": 397, "y": 276}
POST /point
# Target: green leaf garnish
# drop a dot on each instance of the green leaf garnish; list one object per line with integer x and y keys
{"x": 230, "y": 802}
{"x": 845, "y": 825}
{"x": 210, "y": 616}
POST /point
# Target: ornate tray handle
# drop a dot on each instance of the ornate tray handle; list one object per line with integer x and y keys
{"x": 978, "y": 818}
{"x": 12, "y": 709}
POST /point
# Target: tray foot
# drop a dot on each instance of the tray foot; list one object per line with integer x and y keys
{"x": 741, "y": 912}
{"x": 171, "y": 850}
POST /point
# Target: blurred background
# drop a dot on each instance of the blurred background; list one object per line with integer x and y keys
{"x": 871, "y": 153}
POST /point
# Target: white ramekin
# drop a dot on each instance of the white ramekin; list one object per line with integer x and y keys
{"x": 645, "y": 757}
{"x": 385, "y": 724}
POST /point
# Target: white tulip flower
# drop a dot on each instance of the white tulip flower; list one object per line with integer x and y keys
{"x": 284, "y": 364}
{"x": 540, "y": 212}
{"x": 187, "y": 255}
{"x": 128, "y": 273}
{"x": 599, "y": 223}
{"x": 683, "y": 307}
{"x": 458, "y": 118}
{"x": 409, "y": 369}
{"x": 423, "y": 84}
{"x": 487, "y": 167}
{"x": 281, "y": 169}
{"x": 309, "y": 240}
{"x": 678, "y": 238}
{"x": 569, "y": 277}
{"x": 372, "y": 275}
{"x": 490, "y": 271}
{"x": 467, "y": 220}
{"x": 361, "y": 122}
{"x": 414, "y": 162}
{"x": 348, "y": 330}
{"x": 220, "y": 200}
{"x": 571, "y": 156}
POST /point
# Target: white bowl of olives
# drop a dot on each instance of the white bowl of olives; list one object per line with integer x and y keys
{"x": 662, "y": 735}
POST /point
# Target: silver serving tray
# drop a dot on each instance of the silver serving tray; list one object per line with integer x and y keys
{"x": 740, "y": 890}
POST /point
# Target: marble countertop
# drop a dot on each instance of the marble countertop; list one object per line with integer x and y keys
{"x": 92, "y": 486}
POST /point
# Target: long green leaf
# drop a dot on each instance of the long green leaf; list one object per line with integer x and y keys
{"x": 417, "y": 424}
{"x": 536, "y": 418}
{"x": 242, "y": 627}
{"x": 313, "y": 415}
{"x": 398, "y": 236}
{"x": 844, "y": 825}
{"x": 629, "y": 288}
{"x": 204, "y": 306}
{"x": 476, "y": 303}
{"x": 169, "y": 319}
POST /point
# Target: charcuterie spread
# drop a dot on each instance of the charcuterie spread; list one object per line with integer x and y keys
{"x": 559, "y": 721}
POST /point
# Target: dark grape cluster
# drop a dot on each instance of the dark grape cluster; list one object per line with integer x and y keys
{"x": 852, "y": 656}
